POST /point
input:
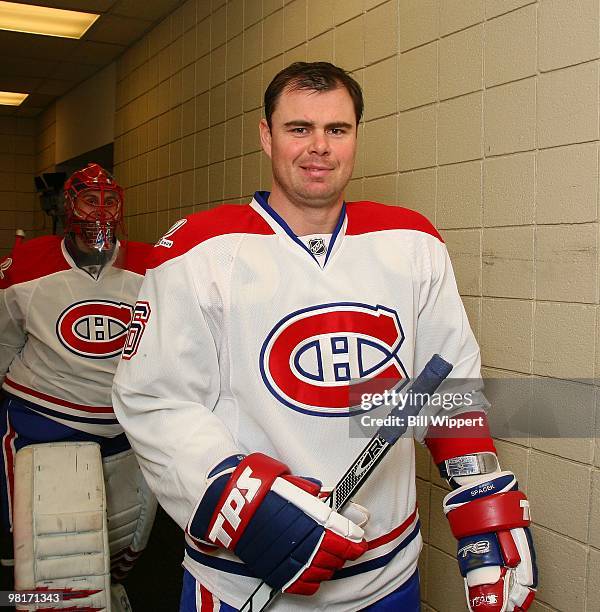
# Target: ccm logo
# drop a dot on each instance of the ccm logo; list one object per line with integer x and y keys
{"x": 229, "y": 513}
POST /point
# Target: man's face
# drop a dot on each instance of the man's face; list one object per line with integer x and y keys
{"x": 97, "y": 214}
{"x": 312, "y": 145}
{"x": 89, "y": 205}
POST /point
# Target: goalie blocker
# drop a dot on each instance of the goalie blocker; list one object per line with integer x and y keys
{"x": 65, "y": 529}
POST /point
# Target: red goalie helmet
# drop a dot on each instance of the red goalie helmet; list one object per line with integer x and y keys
{"x": 93, "y": 207}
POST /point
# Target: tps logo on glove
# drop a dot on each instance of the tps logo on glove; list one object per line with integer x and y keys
{"x": 233, "y": 506}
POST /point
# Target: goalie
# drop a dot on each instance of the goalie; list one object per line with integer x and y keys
{"x": 65, "y": 306}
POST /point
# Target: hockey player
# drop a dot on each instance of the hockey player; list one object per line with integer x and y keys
{"x": 65, "y": 306}
{"x": 252, "y": 327}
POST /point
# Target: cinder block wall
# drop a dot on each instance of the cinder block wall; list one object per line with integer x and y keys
{"x": 17, "y": 160}
{"x": 482, "y": 114}
{"x": 46, "y": 141}
{"x": 45, "y": 161}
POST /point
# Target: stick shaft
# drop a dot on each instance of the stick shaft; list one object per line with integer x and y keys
{"x": 434, "y": 372}
{"x": 417, "y": 396}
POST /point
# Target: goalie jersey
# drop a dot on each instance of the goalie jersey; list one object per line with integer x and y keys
{"x": 246, "y": 338}
{"x": 62, "y": 330}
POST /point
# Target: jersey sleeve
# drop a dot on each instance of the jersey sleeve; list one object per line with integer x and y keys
{"x": 12, "y": 334}
{"x": 442, "y": 322}
{"x": 168, "y": 382}
{"x": 443, "y": 328}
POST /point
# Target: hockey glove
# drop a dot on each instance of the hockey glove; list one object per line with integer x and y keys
{"x": 490, "y": 519}
{"x": 274, "y": 523}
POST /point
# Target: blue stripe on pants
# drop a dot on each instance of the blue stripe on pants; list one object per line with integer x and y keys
{"x": 405, "y": 598}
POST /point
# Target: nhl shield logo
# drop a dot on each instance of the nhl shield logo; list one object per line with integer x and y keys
{"x": 313, "y": 358}
{"x": 317, "y": 246}
{"x": 94, "y": 328}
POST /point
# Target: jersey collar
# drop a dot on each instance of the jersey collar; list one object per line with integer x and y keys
{"x": 69, "y": 258}
{"x": 260, "y": 203}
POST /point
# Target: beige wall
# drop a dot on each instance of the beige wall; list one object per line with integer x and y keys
{"x": 27, "y": 148}
{"x": 17, "y": 160}
{"x": 45, "y": 161}
{"x": 85, "y": 117}
{"x": 483, "y": 114}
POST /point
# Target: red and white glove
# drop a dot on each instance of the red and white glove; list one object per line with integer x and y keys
{"x": 490, "y": 519}
{"x": 273, "y": 522}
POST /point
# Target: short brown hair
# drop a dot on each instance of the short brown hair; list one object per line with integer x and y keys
{"x": 313, "y": 76}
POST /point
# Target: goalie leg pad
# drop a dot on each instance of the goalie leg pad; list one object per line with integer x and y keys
{"x": 60, "y": 535}
{"x": 131, "y": 511}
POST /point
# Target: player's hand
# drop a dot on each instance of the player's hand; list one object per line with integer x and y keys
{"x": 274, "y": 522}
{"x": 490, "y": 519}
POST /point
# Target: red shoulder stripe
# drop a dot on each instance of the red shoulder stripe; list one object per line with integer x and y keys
{"x": 366, "y": 217}
{"x": 136, "y": 256}
{"x": 33, "y": 259}
{"x": 199, "y": 227}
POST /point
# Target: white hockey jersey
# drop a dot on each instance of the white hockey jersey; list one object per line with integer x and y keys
{"x": 62, "y": 331}
{"x": 244, "y": 341}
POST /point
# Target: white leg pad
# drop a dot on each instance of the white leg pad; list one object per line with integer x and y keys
{"x": 60, "y": 534}
{"x": 131, "y": 511}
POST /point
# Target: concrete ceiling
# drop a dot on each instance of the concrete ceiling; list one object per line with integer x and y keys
{"x": 47, "y": 67}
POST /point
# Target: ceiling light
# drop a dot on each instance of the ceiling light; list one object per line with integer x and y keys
{"x": 43, "y": 20}
{"x": 10, "y": 98}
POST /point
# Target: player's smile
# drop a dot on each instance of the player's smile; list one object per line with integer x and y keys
{"x": 315, "y": 171}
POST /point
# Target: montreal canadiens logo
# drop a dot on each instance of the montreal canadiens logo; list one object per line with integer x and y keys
{"x": 94, "y": 328}
{"x": 314, "y": 360}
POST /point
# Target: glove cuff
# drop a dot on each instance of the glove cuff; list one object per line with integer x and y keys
{"x": 495, "y": 513}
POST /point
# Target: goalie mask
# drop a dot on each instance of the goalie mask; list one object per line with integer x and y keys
{"x": 93, "y": 208}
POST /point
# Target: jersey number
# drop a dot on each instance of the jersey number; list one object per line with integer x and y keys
{"x": 141, "y": 314}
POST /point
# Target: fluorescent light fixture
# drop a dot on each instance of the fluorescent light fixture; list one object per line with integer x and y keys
{"x": 10, "y": 98}
{"x": 44, "y": 20}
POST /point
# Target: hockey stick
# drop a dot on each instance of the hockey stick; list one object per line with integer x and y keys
{"x": 434, "y": 372}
